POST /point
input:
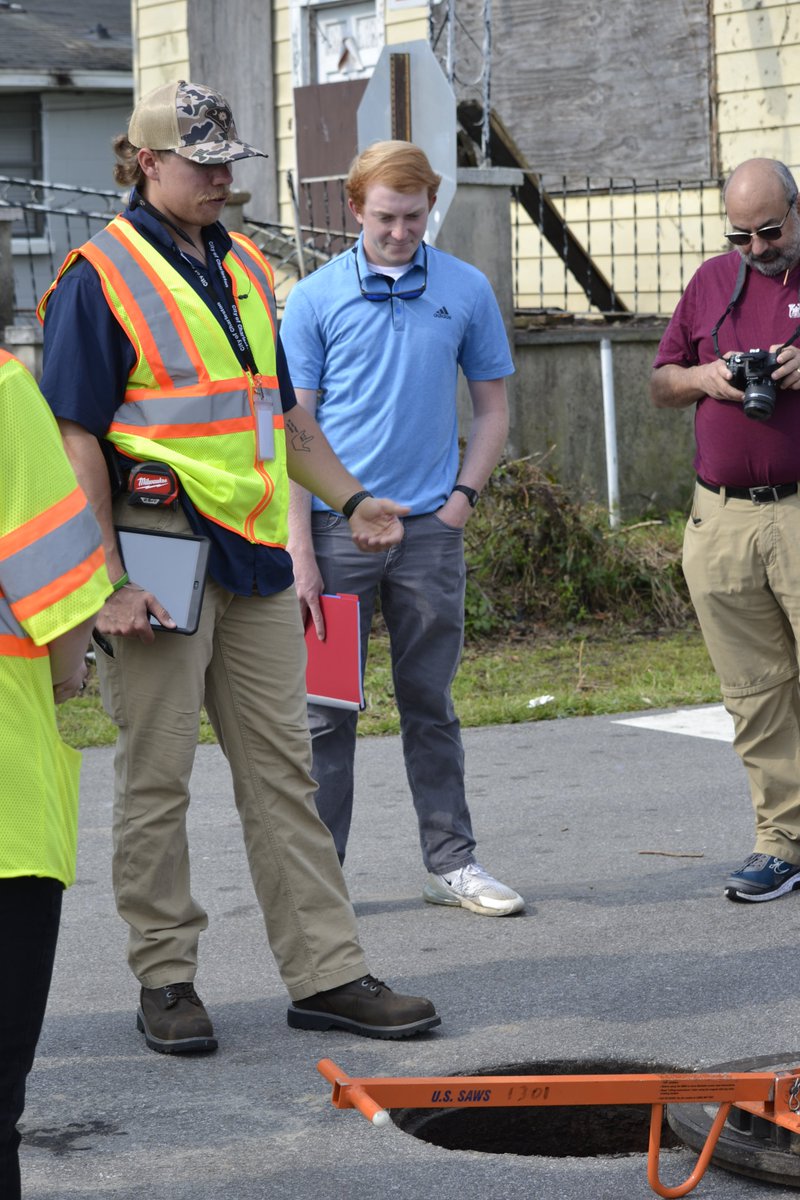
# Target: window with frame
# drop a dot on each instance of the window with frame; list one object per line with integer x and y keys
{"x": 21, "y": 155}
{"x": 341, "y": 41}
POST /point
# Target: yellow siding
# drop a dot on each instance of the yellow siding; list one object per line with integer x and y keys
{"x": 162, "y": 44}
{"x": 757, "y": 52}
{"x": 746, "y": 28}
{"x": 406, "y": 25}
{"x": 748, "y": 70}
{"x": 284, "y": 104}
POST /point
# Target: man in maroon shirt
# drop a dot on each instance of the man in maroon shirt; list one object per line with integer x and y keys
{"x": 741, "y": 552}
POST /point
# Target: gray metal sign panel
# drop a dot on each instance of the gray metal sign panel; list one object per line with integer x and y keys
{"x": 432, "y": 113}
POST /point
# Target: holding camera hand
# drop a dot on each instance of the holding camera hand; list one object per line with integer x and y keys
{"x": 718, "y": 380}
{"x": 787, "y": 374}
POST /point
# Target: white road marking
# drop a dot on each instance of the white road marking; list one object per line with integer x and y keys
{"x": 713, "y": 722}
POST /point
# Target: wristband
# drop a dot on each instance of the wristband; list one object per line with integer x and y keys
{"x": 121, "y": 582}
{"x": 470, "y": 493}
{"x": 350, "y": 506}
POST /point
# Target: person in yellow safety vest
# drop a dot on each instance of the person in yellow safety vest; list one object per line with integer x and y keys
{"x": 161, "y": 345}
{"x": 53, "y": 580}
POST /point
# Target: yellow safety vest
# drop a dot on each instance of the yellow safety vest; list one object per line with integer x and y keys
{"x": 188, "y": 401}
{"x": 52, "y": 577}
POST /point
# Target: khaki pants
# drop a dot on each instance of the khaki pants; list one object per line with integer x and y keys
{"x": 742, "y": 565}
{"x": 246, "y": 663}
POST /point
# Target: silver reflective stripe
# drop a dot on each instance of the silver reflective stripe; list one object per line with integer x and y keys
{"x": 253, "y": 267}
{"x": 50, "y": 556}
{"x": 184, "y": 410}
{"x": 160, "y": 321}
{"x": 9, "y": 625}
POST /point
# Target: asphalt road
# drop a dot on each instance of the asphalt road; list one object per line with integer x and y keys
{"x": 619, "y": 836}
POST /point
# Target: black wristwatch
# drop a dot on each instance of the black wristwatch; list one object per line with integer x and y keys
{"x": 469, "y": 492}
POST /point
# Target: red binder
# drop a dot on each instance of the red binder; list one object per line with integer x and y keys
{"x": 333, "y": 674}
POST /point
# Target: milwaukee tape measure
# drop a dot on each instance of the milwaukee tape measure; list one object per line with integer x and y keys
{"x": 152, "y": 483}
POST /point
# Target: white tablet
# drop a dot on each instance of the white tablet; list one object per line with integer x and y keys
{"x": 173, "y": 567}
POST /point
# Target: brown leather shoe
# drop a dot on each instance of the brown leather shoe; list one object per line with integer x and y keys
{"x": 367, "y": 1007}
{"x": 174, "y": 1021}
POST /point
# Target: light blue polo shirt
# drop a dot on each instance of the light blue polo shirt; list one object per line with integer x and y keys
{"x": 387, "y": 371}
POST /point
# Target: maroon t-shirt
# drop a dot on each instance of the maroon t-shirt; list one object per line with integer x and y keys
{"x": 734, "y": 450}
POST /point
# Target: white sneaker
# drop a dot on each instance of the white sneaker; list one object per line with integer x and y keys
{"x": 473, "y": 888}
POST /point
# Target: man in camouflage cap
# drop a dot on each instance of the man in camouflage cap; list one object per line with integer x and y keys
{"x": 190, "y": 120}
{"x": 161, "y": 347}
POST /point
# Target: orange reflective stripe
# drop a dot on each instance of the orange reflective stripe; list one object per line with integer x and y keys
{"x": 269, "y": 488}
{"x": 71, "y": 258}
{"x": 106, "y": 269}
{"x": 211, "y": 388}
{"x": 14, "y": 647}
{"x": 170, "y": 432}
{"x": 58, "y": 589}
{"x": 4, "y": 357}
{"x": 166, "y": 296}
{"x": 46, "y": 522}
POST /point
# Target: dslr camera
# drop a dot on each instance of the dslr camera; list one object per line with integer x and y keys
{"x": 751, "y": 374}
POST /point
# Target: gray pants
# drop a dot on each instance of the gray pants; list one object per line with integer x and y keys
{"x": 421, "y": 588}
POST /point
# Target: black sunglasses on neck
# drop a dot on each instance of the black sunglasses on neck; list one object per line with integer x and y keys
{"x": 393, "y": 293}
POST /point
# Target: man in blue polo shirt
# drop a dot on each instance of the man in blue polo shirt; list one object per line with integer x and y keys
{"x": 374, "y": 340}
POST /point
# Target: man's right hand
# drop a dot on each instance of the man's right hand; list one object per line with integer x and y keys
{"x": 715, "y": 380}
{"x": 676, "y": 386}
{"x": 309, "y": 587}
{"x": 126, "y": 613}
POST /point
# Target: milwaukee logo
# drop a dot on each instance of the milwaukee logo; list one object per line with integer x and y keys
{"x": 145, "y": 483}
{"x": 442, "y": 312}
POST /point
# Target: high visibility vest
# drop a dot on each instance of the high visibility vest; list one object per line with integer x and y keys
{"x": 188, "y": 401}
{"x": 52, "y": 577}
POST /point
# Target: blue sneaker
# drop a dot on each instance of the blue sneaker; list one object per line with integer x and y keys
{"x": 762, "y": 877}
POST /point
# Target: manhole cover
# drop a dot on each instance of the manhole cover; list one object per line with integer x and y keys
{"x": 748, "y": 1144}
{"x": 557, "y": 1131}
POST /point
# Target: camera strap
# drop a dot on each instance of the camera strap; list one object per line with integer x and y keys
{"x": 738, "y": 288}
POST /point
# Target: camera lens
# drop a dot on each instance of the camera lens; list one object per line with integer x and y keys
{"x": 759, "y": 400}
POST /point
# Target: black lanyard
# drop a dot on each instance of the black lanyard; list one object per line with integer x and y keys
{"x": 225, "y": 303}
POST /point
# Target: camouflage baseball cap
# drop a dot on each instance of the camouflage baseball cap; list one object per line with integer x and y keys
{"x": 191, "y": 120}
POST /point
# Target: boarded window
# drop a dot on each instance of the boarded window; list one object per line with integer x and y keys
{"x": 594, "y": 87}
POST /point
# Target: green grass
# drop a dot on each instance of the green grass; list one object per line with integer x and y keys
{"x": 557, "y": 605}
{"x": 588, "y": 674}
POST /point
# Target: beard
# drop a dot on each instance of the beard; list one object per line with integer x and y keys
{"x": 774, "y": 261}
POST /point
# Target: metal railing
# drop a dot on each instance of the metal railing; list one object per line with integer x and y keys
{"x": 55, "y": 217}
{"x": 643, "y": 239}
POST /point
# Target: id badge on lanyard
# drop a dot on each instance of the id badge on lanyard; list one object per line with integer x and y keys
{"x": 265, "y": 424}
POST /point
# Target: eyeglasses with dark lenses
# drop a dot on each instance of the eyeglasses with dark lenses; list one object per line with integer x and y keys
{"x": 770, "y": 233}
{"x": 393, "y": 293}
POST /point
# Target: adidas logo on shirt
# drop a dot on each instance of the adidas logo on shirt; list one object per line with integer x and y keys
{"x": 442, "y": 312}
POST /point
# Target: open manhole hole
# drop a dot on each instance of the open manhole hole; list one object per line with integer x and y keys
{"x": 557, "y": 1131}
